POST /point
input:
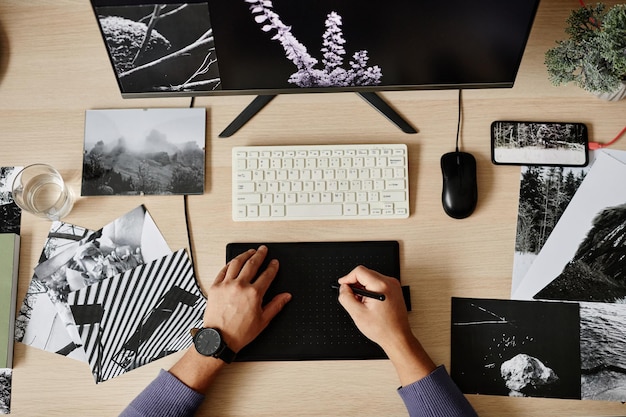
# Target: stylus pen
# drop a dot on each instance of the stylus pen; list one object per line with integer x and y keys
{"x": 362, "y": 292}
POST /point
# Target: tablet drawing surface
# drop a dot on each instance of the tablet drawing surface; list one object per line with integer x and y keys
{"x": 313, "y": 325}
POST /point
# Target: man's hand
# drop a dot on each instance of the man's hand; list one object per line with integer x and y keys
{"x": 234, "y": 301}
{"x": 381, "y": 321}
{"x": 234, "y": 306}
{"x": 385, "y": 322}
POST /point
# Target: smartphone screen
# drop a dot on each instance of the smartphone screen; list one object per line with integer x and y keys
{"x": 539, "y": 143}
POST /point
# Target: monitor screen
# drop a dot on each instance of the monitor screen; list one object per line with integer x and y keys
{"x": 286, "y": 46}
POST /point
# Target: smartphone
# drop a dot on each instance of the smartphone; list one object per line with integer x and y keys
{"x": 539, "y": 143}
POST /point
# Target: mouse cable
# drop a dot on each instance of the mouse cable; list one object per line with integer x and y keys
{"x": 458, "y": 123}
{"x": 187, "y": 224}
{"x": 595, "y": 145}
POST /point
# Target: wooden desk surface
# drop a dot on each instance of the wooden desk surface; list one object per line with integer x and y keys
{"x": 53, "y": 67}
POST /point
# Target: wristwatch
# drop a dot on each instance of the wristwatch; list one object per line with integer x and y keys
{"x": 208, "y": 342}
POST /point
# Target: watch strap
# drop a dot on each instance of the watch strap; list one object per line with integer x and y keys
{"x": 226, "y": 354}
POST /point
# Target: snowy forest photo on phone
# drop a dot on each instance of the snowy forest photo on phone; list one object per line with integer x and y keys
{"x": 529, "y": 143}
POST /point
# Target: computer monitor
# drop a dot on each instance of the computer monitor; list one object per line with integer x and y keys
{"x": 270, "y": 47}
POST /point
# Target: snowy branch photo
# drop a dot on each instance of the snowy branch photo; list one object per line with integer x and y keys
{"x": 158, "y": 47}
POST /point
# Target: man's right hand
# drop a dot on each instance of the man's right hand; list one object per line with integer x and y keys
{"x": 385, "y": 322}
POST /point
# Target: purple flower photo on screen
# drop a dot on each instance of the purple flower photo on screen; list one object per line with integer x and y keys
{"x": 334, "y": 73}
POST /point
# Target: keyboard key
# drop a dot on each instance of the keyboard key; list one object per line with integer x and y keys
{"x": 248, "y": 198}
{"x": 392, "y": 196}
{"x": 314, "y": 210}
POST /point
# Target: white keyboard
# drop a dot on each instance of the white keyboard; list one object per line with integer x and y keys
{"x": 320, "y": 182}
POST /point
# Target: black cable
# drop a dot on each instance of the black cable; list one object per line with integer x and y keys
{"x": 187, "y": 224}
{"x": 189, "y": 239}
{"x": 458, "y": 124}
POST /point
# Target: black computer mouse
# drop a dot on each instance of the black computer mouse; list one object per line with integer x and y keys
{"x": 460, "y": 191}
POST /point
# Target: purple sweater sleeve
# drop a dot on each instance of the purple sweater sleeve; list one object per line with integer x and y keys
{"x": 166, "y": 396}
{"x": 433, "y": 396}
{"x": 436, "y": 395}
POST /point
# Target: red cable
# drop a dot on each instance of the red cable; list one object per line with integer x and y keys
{"x": 596, "y": 145}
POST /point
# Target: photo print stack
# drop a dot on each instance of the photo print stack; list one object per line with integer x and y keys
{"x": 562, "y": 333}
{"x": 117, "y": 298}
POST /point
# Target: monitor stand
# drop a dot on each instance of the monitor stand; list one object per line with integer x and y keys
{"x": 263, "y": 100}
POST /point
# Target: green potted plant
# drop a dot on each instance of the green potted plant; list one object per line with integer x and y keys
{"x": 594, "y": 56}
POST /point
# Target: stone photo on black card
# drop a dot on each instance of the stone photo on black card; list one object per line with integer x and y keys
{"x": 516, "y": 348}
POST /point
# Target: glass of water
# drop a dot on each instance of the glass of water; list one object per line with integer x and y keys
{"x": 39, "y": 189}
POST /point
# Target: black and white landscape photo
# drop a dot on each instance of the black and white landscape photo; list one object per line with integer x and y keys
{"x": 144, "y": 151}
{"x": 10, "y": 213}
{"x": 526, "y": 143}
{"x": 597, "y": 271}
{"x": 603, "y": 351}
{"x": 516, "y": 348}
{"x": 160, "y": 48}
{"x": 584, "y": 257}
{"x": 545, "y": 193}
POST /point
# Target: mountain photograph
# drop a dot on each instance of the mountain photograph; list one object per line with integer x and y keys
{"x": 135, "y": 152}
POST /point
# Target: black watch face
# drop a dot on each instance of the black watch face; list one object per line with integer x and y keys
{"x": 207, "y": 341}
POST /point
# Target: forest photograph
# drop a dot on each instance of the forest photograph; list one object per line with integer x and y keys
{"x": 529, "y": 143}
{"x": 584, "y": 256}
{"x": 545, "y": 192}
{"x": 544, "y": 195}
{"x": 144, "y": 151}
{"x": 160, "y": 48}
